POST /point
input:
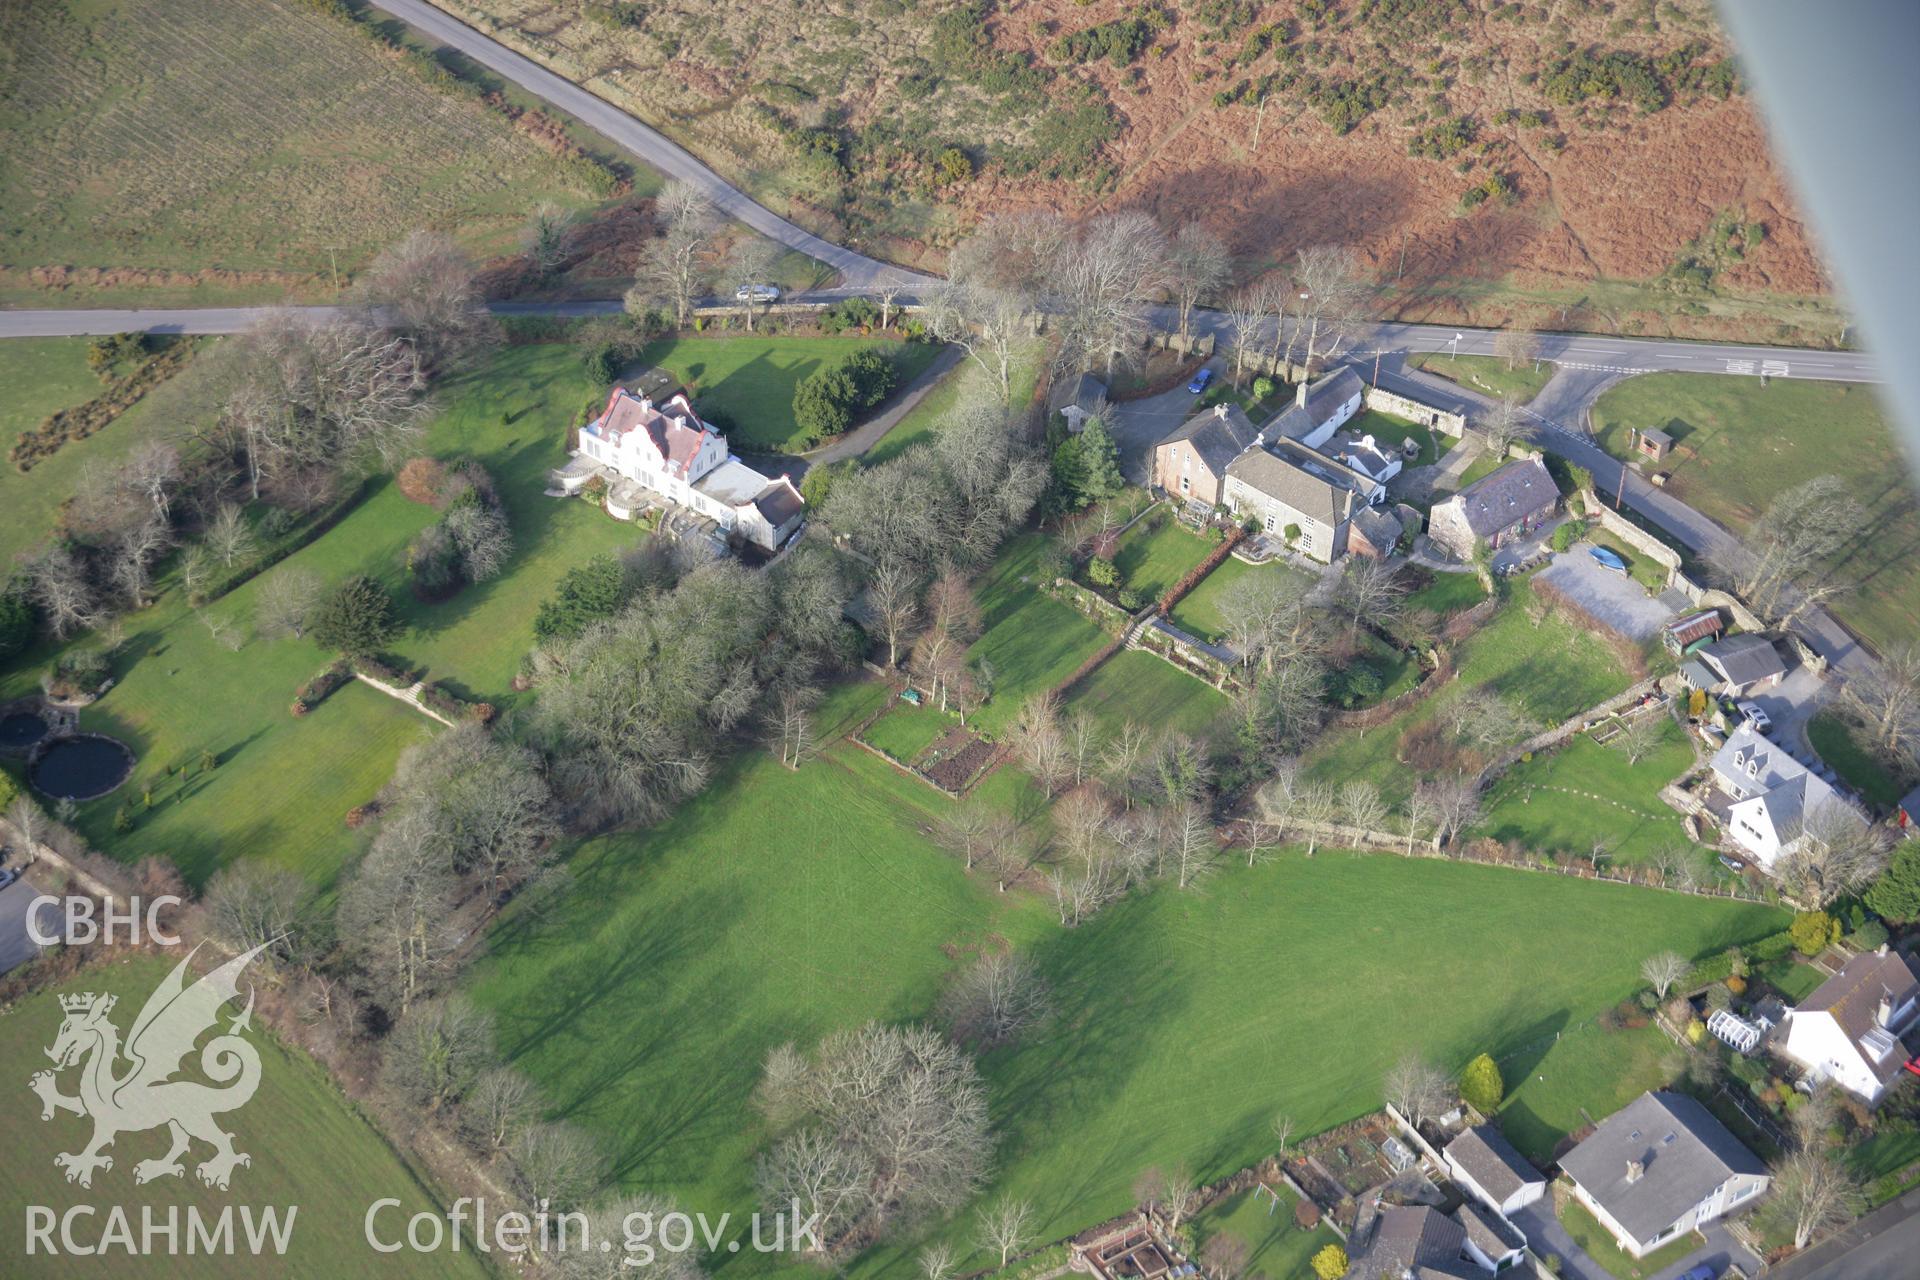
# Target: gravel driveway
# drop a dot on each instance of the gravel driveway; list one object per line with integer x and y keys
{"x": 1138, "y": 425}
{"x": 1613, "y": 598}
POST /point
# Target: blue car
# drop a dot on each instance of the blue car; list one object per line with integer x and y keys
{"x": 1705, "y": 1271}
{"x": 1610, "y": 560}
{"x": 1200, "y": 381}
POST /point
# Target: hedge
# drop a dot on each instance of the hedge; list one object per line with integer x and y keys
{"x": 316, "y": 525}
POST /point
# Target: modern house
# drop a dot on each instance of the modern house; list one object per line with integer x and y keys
{"x": 1191, "y": 464}
{"x": 1286, "y": 485}
{"x": 1497, "y": 508}
{"x": 1319, "y": 409}
{"x": 1741, "y": 664}
{"x": 1772, "y": 795}
{"x": 1487, "y": 1166}
{"x": 1660, "y": 1167}
{"x": 1848, "y": 1031}
{"x": 648, "y": 452}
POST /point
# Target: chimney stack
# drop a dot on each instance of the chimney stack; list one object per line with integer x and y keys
{"x": 1300, "y": 394}
{"x": 1220, "y": 410}
{"x": 1634, "y": 1170}
{"x": 1883, "y": 1015}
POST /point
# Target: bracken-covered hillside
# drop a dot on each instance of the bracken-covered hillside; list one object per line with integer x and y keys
{"x": 1591, "y": 164}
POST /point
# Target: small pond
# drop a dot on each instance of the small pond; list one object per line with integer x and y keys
{"x": 20, "y": 730}
{"x": 82, "y": 767}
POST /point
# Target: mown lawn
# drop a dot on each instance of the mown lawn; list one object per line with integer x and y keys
{"x": 747, "y": 381}
{"x": 1598, "y": 1244}
{"x": 310, "y": 1147}
{"x": 1447, "y": 593}
{"x": 1561, "y": 1084}
{"x": 1030, "y": 642}
{"x": 1564, "y": 801}
{"x": 1201, "y": 611}
{"x": 781, "y": 905}
{"x": 1866, "y": 773}
{"x": 1156, "y": 553}
{"x": 907, "y": 730}
{"x": 1151, "y": 692}
{"x": 1276, "y": 1248}
{"x": 1391, "y": 430}
{"x": 1548, "y": 672}
{"x": 1488, "y": 375}
{"x": 1739, "y": 444}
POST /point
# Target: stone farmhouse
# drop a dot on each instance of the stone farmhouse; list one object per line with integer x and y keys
{"x": 1287, "y": 486}
{"x": 1510, "y": 503}
{"x": 1660, "y": 1167}
{"x": 1770, "y": 795}
{"x": 1848, "y": 1031}
{"x": 649, "y": 453}
{"x": 1192, "y": 462}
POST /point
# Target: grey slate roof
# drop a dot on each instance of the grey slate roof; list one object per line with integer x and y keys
{"x": 1493, "y": 1234}
{"x": 1683, "y": 1151}
{"x": 1084, "y": 391}
{"x": 1380, "y": 528}
{"x": 1296, "y": 422}
{"x": 1490, "y": 1160}
{"x": 1217, "y": 437}
{"x": 1311, "y": 485}
{"x": 1853, "y": 997}
{"x": 1743, "y": 659}
{"x": 1409, "y": 1237}
{"x": 1495, "y": 501}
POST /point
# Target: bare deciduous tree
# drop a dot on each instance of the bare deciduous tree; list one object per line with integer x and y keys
{"x": 1418, "y": 812}
{"x": 1362, "y": 806}
{"x": 132, "y": 554}
{"x": 1516, "y": 347}
{"x": 229, "y": 535}
{"x": 618, "y": 1220}
{"x": 1244, "y": 311}
{"x": 286, "y": 602}
{"x": 425, "y": 289}
{"x": 1102, "y": 279}
{"x": 1038, "y": 743}
{"x": 750, "y": 269}
{"x": 1813, "y": 1191}
{"x": 1456, "y": 805}
{"x": 790, "y": 724}
{"x": 989, "y": 322}
{"x": 1778, "y": 569}
{"x": 153, "y": 471}
{"x": 57, "y": 583}
{"x": 887, "y": 1125}
{"x": 1224, "y": 1256}
{"x": 556, "y": 1162}
{"x": 1191, "y": 844}
{"x": 936, "y": 1262}
{"x": 1831, "y": 852}
{"x": 1005, "y": 1227}
{"x": 501, "y": 1103}
{"x": 1662, "y": 969}
{"x": 1884, "y": 698}
{"x": 1198, "y": 266}
{"x": 439, "y": 1049}
{"x": 1371, "y": 589}
{"x": 1504, "y": 425}
{"x": 1640, "y": 735}
{"x": 249, "y": 903}
{"x": 1283, "y": 1126}
{"x": 1315, "y": 805}
{"x": 993, "y": 1000}
{"x": 1337, "y": 293}
{"x": 894, "y": 595}
{"x": 673, "y": 266}
{"x": 1482, "y": 718}
{"x": 397, "y": 911}
{"x": 1418, "y": 1089}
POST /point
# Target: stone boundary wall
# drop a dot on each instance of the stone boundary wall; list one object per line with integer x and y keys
{"x": 1547, "y": 739}
{"x": 1183, "y": 652}
{"x": 1380, "y": 713}
{"x": 1454, "y": 424}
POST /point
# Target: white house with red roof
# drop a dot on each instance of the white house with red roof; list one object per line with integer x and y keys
{"x": 648, "y": 452}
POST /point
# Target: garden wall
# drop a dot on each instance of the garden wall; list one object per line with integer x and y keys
{"x": 1454, "y": 424}
{"x": 1549, "y": 738}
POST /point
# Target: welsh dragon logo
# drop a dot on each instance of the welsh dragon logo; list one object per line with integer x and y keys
{"x": 143, "y": 1093}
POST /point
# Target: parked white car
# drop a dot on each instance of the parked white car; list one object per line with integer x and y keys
{"x": 1752, "y": 714}
{"x": 757, "y": 293}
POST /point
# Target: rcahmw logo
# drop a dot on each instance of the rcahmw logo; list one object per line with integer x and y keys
{"x": 130, "y": 1087}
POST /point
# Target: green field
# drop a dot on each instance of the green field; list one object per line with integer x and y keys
{"x": 1488, "y": 375}
{"x": 1563, "y": 1083}
{"x": 1549, "y": 672}
{"x": 1151, "y": 692}
{"x": 311, "y": 1149}
{"x": 1738, "y": 444}
{"x": 1156, "y": 553}
{"x": 1200, "y": 612}
{"x": 747, "y": 382}
{"x": 1276, "y": 1248}
{"x": 236, "y": 150}
{"x": 1866, "y": 773}
{"x": 1563, "y": 801}
{"x": 1166, "y": 1048}
{"x": 1031, "y": 641}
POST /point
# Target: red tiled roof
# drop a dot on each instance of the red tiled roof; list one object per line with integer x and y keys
{"x": 676, "y": 431}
